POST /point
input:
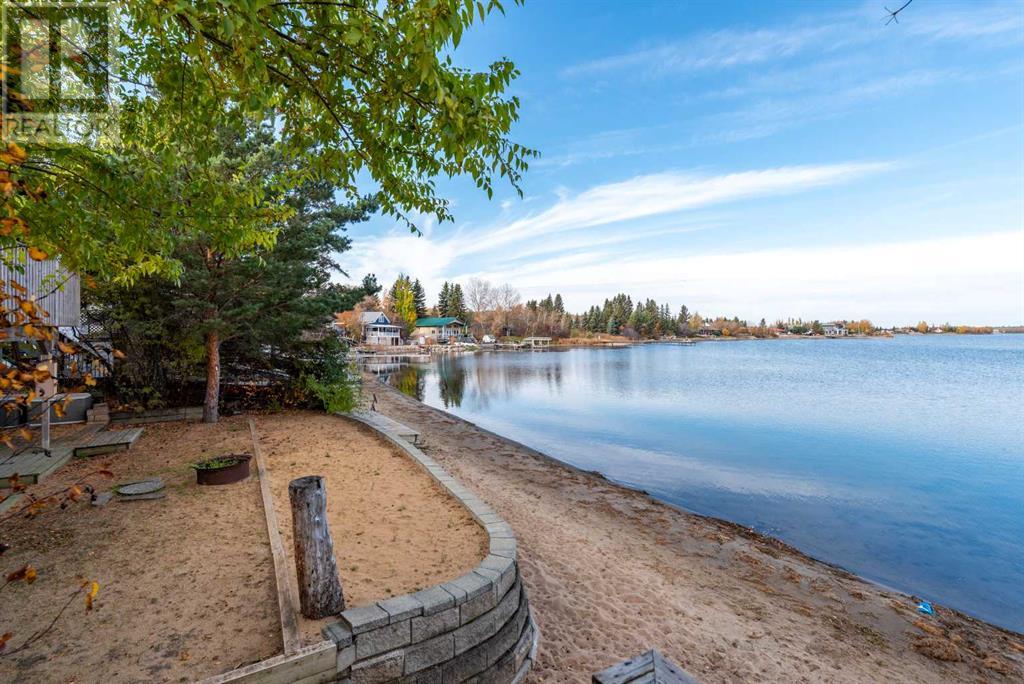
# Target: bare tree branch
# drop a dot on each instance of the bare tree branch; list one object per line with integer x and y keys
{"x": 893, "y": 13}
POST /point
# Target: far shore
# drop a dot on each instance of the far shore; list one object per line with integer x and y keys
{"x": 618, "y": 341}
{"x": 612, "y": 572}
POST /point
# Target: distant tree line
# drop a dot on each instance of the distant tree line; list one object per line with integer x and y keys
{"x": 499, "y": 311}
{"x": 923, "y": 327}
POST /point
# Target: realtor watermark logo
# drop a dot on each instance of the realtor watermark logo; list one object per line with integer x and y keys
{"x": 59, "y": 72}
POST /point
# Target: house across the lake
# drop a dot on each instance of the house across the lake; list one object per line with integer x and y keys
{"x": 378, "y": 330}
{"x": 835, "y": 329}
{"x": 441, "y": 329}
{"x": 537, "y": 342}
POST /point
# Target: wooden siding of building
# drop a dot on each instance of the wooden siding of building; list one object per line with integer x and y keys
{"x": 43, "y": 281}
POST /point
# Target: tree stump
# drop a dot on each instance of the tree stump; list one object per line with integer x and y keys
{"x": 320, "y": 592}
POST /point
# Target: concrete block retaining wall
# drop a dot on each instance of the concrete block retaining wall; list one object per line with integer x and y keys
{"x": 474, "y": 628}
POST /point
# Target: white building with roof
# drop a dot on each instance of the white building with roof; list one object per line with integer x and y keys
{"x": 378, "y": 329}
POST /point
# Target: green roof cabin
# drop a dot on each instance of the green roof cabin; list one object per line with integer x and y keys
{"x": 443, "y": 329}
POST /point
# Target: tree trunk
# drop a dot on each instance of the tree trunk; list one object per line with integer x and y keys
{"x": 212, "y": 398}
{"x": 320, "y": 593}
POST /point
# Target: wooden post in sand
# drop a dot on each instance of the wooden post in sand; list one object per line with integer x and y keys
{"x": 320, "y": 592}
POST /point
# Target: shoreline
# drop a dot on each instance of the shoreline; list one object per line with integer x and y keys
{"x": 787, "y": 586}
{"x": 565, "y": 344}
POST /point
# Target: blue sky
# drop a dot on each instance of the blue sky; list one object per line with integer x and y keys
{"x": 748, "y": 158}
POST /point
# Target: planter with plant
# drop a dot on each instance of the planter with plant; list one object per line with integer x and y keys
{"x": 222, "y": 470}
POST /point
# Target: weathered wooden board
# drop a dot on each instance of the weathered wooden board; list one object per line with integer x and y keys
{"x": 287, "y": 602}
{"x": 108, "y": 441}
{"x": 647, "y": 668}
{"x": 667, "y": 671}
{"x": 159, "y": 415}
{"x": 10, "y": 501}
{"x": 35, "y": 466}
{"x": 627, "y": 670}
{"x": 309, "y": 665}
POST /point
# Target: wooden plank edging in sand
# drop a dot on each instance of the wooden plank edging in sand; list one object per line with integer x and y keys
{"x": 286, "y": 601}
{"x": 309, "y": 665}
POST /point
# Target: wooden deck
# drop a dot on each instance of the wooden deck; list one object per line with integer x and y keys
{"x": 381, "y": 421}
{"x": 35, "y": 466}
{"x": 108, "y": 441}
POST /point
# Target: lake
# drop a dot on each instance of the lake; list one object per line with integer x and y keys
{"x": 901, "y": 460}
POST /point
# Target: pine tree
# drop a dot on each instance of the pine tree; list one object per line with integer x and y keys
{"x": 370, "y": 286}
{"x": 559, "y": 305}
{"x": 457, "y": 303}
{"x": 443, "y": 300}
{"x": 420, "y": 299}
{"x": 683, "y": 319}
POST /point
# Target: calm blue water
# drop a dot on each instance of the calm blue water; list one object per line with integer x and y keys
{"x": 899, "y": 459}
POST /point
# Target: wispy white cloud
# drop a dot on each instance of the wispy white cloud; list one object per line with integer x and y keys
{"x": 780, "y": 110}
{"x": 822, "y": 34}
{"x": 422, "y": 257}
{"x": 602, "y": 145}
{"x": 714, "y": 50}
{"x": 568, "y": 243}
{"x": 570, "y": 228}
{"x": 657, "y": 194}
{"x": 975, "y": 278}
{"x": 977, "y": 20}
{"x": 778, "y": 78}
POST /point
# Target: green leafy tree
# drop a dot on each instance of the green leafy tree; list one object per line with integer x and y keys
{"x": 349, "y": 296}
{"x": 251, "y": 311}
{"x": 403, "y": 301}
{"x": 351, "y": 89}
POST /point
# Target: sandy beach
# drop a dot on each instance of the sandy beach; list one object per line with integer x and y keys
{"x": 612, "y": 572}
{"x": 394, "y": 532}
{"x": 187, "y": 584}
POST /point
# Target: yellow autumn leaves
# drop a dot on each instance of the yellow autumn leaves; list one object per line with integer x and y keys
{"x": 27, "y": 574}
{"x": 14, "y": 154}
{"x": 90, "y": 596}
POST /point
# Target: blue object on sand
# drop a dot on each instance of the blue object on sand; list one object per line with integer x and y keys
{"x": 925, "y": 607}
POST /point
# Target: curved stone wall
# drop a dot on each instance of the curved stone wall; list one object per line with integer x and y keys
{"x": 476, "y": 627}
